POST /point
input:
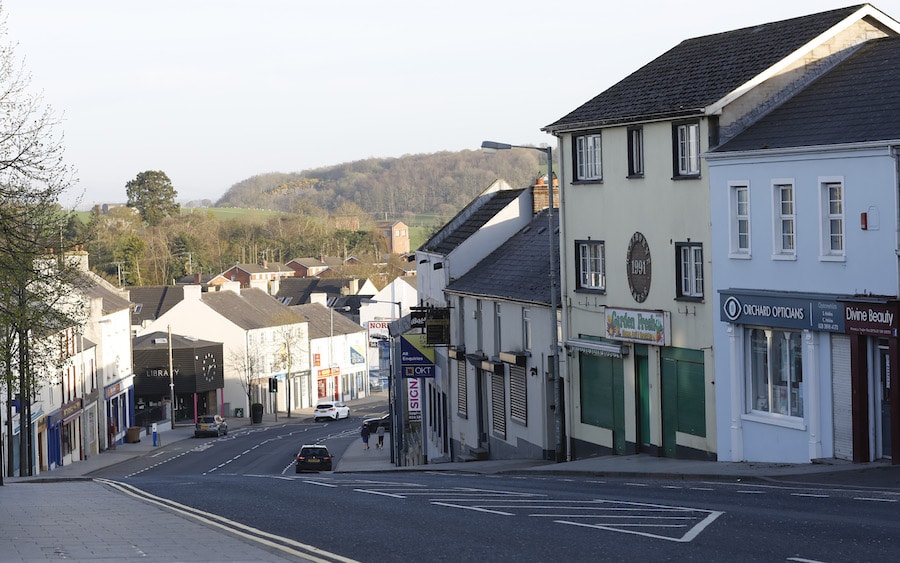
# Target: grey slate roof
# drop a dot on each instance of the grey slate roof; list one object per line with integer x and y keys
{"x": 297, "y": 291}
{"x": 519, "y": 269}
{"x": 319, "y": 318}
{"x": 153, "y": 301}
{"x": 111, "y": 300}
{"x": 698, "y": 72}
{"x": 252, "y": 309}
{"x": 455, "y": 233}
{"x": 855, "y": 102}
{"x": 145, "y": 342}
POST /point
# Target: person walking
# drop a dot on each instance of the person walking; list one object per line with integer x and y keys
{"x": 380, "y": 434}
{"x": 365, "y": 435}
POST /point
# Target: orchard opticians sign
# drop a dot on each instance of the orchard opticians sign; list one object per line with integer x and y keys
{"x": 803, "y": 312}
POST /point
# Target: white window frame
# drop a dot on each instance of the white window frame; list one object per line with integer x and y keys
{"x": 687, "y": 150}
{"x": 739, "y": 220}
{"x": 780, "y": 400}
{"x": 589, "y": 157}
{"x": 526, "y": 329}
{"x": 591, "y": 265}
{"x": 833, "y": 225}
{"x": 690, "y": 257}
{"x": 784, "y": 220}
{"x": 635, "y": 152}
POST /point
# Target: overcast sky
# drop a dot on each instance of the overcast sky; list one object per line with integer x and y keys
{"x": 215, "y": 91}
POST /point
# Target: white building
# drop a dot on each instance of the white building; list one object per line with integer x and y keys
{"x": 804, "y": 206}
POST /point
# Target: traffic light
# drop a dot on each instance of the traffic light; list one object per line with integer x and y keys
{"x": 273, "y": 385}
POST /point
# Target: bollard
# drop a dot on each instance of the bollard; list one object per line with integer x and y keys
{"x": 155, "y": 436}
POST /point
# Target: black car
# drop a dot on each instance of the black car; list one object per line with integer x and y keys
{"x": 373, "y": 423}
{"x": 313, "y": 458}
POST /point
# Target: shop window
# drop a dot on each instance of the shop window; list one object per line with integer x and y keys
{"x": 775, "y": 372}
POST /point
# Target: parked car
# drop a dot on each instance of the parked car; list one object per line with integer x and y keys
{"x": 332, "y": 409}
{"x": 373, "y": 423}
{"x": 313, "y": 458}
{"x": 210, "y": 424}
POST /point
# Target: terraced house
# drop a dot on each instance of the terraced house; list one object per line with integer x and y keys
{"x": 636, "y": 271}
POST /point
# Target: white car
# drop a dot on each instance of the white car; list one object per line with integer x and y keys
{"x": 333, "y": 410}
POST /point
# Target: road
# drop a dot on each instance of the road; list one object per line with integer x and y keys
{"x": 248, "y": 480}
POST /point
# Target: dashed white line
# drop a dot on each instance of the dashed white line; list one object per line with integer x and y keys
{"x": 811, "y": 495}
{"x": 875, "y": 499}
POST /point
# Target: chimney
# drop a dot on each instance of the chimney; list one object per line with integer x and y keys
{"x": 197, "y": 278}
{"x": 265, "y": 264}
{"x": 541, "y": 197}
{"x": 354, "y": 286}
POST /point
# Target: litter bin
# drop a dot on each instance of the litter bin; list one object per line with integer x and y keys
{"x": 239, "y": 413}
{"x": 133, "y": 435}
{"x": 256, "y": 413}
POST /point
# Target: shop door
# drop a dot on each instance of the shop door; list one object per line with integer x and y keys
{"x": 883, "y": 398}
{"x": 643, "y": 398}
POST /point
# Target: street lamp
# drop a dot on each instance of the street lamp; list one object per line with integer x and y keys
{"x": 396, "y": 425}
{"x": 491, "y": 147}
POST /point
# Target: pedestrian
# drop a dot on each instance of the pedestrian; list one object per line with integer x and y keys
{"x": 380, "y": 434}
{"x": 365, "y": 435}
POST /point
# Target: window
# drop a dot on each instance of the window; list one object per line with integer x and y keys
{"x": 526, "y": 328}
{"x": 832, "y": 194}
{"x": 591, "y": 266}
{"x": 588, "y": 158}
{"x": 498, "y": 405}
{"x": 776, "y": 372}
{"x": 689, "y": 266}
{"x": 518, "y": 394}
{"x": 687, "y": 149}
{"x": 497, "y": 324}
{"x": 462, "y": 389}
{"x": 635, "y": 152}
{"x": 739, "y": 203}
{"x": 784, "y": 238}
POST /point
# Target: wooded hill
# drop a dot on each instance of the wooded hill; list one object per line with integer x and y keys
{"x": 440, "y": 184}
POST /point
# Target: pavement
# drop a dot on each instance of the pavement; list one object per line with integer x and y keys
{"x": 66, "y": 514}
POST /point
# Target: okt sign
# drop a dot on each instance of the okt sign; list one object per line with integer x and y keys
{"x": 416, "y": 357}
{"x": 414, "y": 399}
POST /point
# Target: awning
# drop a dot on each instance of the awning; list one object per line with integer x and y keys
{"x": 597, "y": 348}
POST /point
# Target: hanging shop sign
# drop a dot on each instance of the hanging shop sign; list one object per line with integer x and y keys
{"x": 416, "y": 357}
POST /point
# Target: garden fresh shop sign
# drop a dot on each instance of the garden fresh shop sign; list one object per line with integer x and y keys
{"x": 639, "y": 326}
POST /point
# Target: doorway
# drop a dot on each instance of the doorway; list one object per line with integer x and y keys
{"x": 882, "y": 400}
{"x": 642, "y": 367}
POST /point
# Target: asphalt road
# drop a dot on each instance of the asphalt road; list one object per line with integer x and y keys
{"x": 247, "y": 479}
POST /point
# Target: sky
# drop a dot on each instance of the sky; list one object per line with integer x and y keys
{"x": 213, "y": 92}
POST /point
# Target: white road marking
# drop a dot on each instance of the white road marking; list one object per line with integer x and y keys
{"x": 876, "y": 499}
{"x": 811, "y": 495}
{"x": 475, "y": 508}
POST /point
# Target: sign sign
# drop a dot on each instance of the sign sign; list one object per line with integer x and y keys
{"x": 414, "y": 399}
{"x": 874, "y": 319}
{"x": 357, "y": 356}
{"x": 643, "y": 327}
{"x": 416, "y": 358}
{"x": 637, "y": 267}
{"x": 329, "y": 372}
{"x": 818, "y": 313}
{"x": 378, "y": 331}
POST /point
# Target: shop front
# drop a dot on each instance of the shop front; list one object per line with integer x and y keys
{"x": 873, "y": 406}
{"x": 119, "y": 401}
{"x": 808, "y": 376}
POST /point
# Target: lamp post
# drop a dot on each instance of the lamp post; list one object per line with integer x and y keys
{"x": 396, "y": 419}
{"x": 171, "y": 378}
{"x": 491, "y": 147}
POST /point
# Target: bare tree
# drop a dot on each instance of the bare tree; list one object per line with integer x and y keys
{"x": 249, "y": 365}
{"x": 36, "y": 282}
{"x": 293, "y": 353}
